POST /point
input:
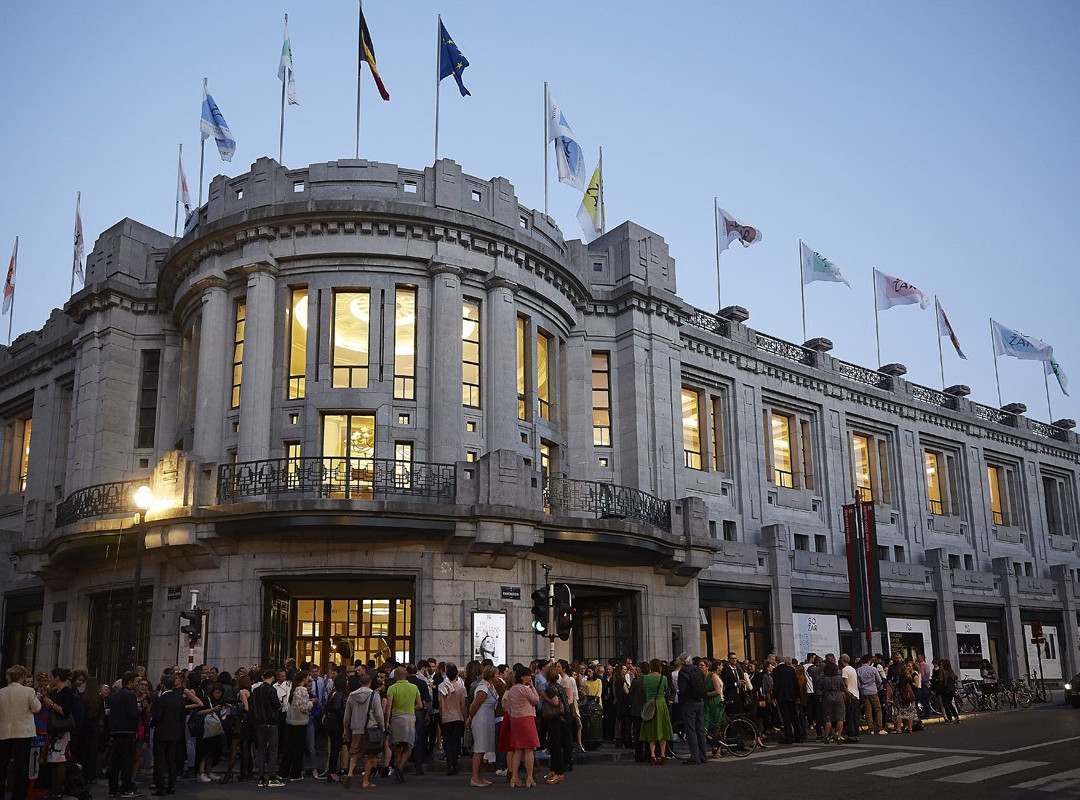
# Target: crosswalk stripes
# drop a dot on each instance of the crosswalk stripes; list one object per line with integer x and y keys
{"x": 818, "y": 755}
{"x": 994, "y": 771}
{"x": 866, "y": 761}
{"x": 915, "y": 767}
{"x": 1069, "y": 779}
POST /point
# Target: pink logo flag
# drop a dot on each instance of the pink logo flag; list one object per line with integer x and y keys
{"x": 892, "y": 291}
{"x": 731, "y": 230}
{"x": 945, "y": 328}
{"x": 9, "y": 284}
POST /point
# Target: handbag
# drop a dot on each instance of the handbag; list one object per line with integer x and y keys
{"x": 212, "y": 726}
{"x": 59, "y": 724}
{"x": 195, "y": 725}
{"x": 648, "y": 711}
{"x": 467, "y": 740}
{"x": 374, "y": 735}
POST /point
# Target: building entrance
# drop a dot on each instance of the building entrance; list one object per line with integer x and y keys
{"x": 323, "y": 621}
{"x": 606, "y": 624}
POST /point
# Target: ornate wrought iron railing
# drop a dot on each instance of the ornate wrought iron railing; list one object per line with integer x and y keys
{"x": 778, "y": 347}
{"x": 932, "y": 396}
{"x": 606, "y": 500}
{"x": 990, "y": 414}
{"x": 1048, "y": 431}
{"x": 340, "y": 478}
{"x": 708, "y": 322}
{"x": 870, "y": 377}
{"x": 116, "y": 497}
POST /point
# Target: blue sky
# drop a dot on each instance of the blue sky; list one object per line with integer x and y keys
{"x": 934, "y": 141}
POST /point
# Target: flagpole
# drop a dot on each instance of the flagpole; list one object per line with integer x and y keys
{"x": 438, "y": 82}
{"x": 716, "y": 228}
{"x": 600, "y": 194}
{"x": 997, "y": 375}
{"x": 1049, "y": 410}
{"x": 545, "y": 148}
{"x": 78, "y": 201}
{"x": 202, "y": 148}
{"x": 11, "y": 311}
{"x": 359, "y": 61}
{"x": 877, "y": 322}
{"x": 937, "y": 331}
{"x": 284, "y": 81}
{"x": 176, "y": 210}
{"x": 802, "y": 293}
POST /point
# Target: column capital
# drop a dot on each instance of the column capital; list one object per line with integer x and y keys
{"x": 210, "y": 283}
{"x": 266, "y": 266}
{"x": 442, "y": 265}
{"x": 495, "y": 282}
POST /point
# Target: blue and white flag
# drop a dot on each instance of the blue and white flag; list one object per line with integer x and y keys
{"x": 567, "y": 151}
{"x": 213, "y": 124}
{"x": 1008, "y": 342}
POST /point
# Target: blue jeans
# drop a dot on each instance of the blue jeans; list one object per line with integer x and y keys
{"x": 693, "y": 719}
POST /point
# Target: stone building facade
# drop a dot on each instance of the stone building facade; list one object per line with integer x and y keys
{"x": 374, "y": 404}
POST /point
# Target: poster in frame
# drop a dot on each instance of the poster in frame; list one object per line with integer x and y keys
{"x": 489, "y": 636}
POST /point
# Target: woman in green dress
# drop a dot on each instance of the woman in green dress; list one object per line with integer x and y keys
{"x": 658, "y": 729}
{"x": 714, "y": 702}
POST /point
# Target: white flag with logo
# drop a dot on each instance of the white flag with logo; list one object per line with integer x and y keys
{"x": 77, "y": 266}
{"x": 893, "y": 291}
{"x": 285, "y": 67}
{"x": 731, "y": 230}
{"x": 568, "y": 153}
{"x": 1009, "y": 342}
{"x": 816, "y": 267}
{"x": 1054, "y": 368}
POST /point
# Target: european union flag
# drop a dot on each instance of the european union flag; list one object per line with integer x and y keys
{"x": 451, "y": 61}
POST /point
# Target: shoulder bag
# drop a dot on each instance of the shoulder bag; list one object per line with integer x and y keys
{"x": 374, "y": 735}
{"x": 648, "y": 711}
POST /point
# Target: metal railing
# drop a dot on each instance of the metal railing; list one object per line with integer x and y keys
{"x": 990, "y": 414}
{"x": 870, "y": 377}
{"x": 99, "y": 500}
{"x": 778, "y": 347}
{"x": 999, "y": 517}
{"x": 936, "y": 507}
{"x": 932, "y": 396}
{"x": 708, "y": 322}
{"x": 1048, "y": 431}
{"x": 784, "y": 479}
{"x": 606, "y": 500}
{"x": 341, "y": 478}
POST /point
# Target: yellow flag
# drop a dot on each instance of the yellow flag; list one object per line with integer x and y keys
{"x": 591, "y": 213}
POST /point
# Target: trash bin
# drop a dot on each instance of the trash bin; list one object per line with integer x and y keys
{"x": 592, "y": 725}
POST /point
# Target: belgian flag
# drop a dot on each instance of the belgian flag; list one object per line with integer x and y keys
{"x": 367, "y": 53}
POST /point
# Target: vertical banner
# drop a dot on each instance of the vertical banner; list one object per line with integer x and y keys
{"x": 875, "y": 606}
{"x": 856, "y": 570}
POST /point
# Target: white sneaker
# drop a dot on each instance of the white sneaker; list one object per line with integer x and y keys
{"x": 501, "y": 773}
{"x": 204, "y": 778}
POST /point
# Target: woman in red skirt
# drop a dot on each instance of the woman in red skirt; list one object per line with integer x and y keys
{"x": 518, "y": 735}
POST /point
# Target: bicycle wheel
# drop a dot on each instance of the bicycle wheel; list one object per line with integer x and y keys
{"x": 992, "y": 702}
{"x": 740, "y": 737}
{"x": 1023, "y": 697}
{"x": 968, "y": 703}
{"x": 936, "y": 707}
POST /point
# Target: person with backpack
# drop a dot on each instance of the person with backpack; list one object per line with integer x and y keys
{"x": 363, "y": 720}
{"x": 691, "y": 694}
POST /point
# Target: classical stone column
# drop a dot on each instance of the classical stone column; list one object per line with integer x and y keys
{"x": 257, "y": 380}
{"x": 215, "y": 354}
{"x": 499, "y": 341}
{"x": 445, "y": 390}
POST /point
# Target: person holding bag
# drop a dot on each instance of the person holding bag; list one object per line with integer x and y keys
{"x": 297, "y": 714}
{"x": 365, "y": 730}
{"x": 18, "y": 704}
{"x": 655, "y": 717}
{"x": 60, "y": 705}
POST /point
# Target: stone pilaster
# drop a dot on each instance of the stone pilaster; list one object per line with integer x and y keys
{"x": 500, "y": 394}
{"x": 257, "y": 381}
{"x": 1014, "y": 626}
{"x": 446, "y": 333}
{"x": 211, "y": 399}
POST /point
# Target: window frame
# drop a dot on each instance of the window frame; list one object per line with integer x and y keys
{"x": 349, "y": 370}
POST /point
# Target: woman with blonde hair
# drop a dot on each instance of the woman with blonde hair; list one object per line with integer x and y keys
{"x": 481, "y": 721}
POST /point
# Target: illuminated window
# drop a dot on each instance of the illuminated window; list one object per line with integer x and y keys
{"x": 601, "y": 399}
{"x": 691, "y": 427}
{"x": 348, "y": 455}
{"x": 403, "y": 456}
{"x": 548, "y": 457}
{"x": 238, "y": 351}
{"x": 22, "y": 428}
{"x": 521, "y": 367}
{"x": 870, "y": 463}
{"x": 543, "y": 371}
{"x": 291, "y": 452}
{"x": 942, "y": 482}
{"x": 999, "y": 494}
{"x": 781, "y": 451}
{"x": 716, "y": 423}
{"x": 349, "y": 343}
{"x": 789, "y": 448}
{"x": 470, "y": 354}
{"x": 405, "y": 343}
{"x": 861, "y": 456}
{"x": 296, "y": 321}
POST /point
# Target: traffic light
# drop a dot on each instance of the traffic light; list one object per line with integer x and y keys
{"x": 194, "y": 620}
{"x": 564, "y": 618}
{"x": 540, "y": 611}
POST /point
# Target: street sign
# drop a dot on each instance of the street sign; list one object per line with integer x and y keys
{"x": 510, "y": 592}
{"x": 1039, "y": 640}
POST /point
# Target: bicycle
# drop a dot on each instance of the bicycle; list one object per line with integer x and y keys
{"x": 1037, "y": 689}
{"x": 738, "y": 736}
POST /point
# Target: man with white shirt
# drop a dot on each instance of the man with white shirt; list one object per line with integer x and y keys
{"x": 851, "y": 698}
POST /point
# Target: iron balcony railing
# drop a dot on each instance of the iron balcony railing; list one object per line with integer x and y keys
{"x": 116, "y": 497}
{"x": 606, "y": 500}
{"x": 341, "y": 478}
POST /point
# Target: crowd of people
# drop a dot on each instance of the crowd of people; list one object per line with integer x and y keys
{"x": 362, "y": 722}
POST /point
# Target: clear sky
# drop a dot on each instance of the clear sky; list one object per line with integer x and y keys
{"x": 935, "y": 141}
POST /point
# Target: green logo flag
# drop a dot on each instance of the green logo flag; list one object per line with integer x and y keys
{"x": 816, "y": 267}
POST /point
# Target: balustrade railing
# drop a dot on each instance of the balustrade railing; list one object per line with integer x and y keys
{"x": 870, "y": 377}
{"x": 340, "y": 478}
{"x": 1048, "y": 431}
{"x": 606, "y": 500}
{"x": 99, "y": 500}
{"x": 991, "y": 414}
{"x": 932, "y": 396}
{"x": 709, "y": 322}
{"x": 788, "y": 350}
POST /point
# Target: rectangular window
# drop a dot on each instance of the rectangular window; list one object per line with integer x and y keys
{"x": 350, "y": 345}
{"x": 861, "y": 461}
{"x": 348, "y": 455}
{"x": 545, "y": 458}
{"x": 969, "y": 562}
{"x": 148, "y": 398}
{"x": 522, "y": 368}
{"x": 870, "y": 464}
{"x": 802, "y": 542}
{"x": 405, "y": 343}
{"x": 691, "y": 427}
{"x": 934, "y": 500}
{"x": 999, "y": 503}
{"x": 296, "y": 322}
{"x": 716, "y": 423}
{"x": 22, "y": 428}
{"x": 1059, "y": 501}
{"x": 470, "y": 354}
{"x": 601, "y": 399}
{"x": 781, "y": 451}
{"x": 543, "y": 370}
{"x": 238, "y": 351}
{"x": 403, "y": 459}
{"x": 291, "y": 453}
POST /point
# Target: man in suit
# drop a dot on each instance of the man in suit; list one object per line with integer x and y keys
{"x": 167, "y": 719}
{"x": 786, "y": 694}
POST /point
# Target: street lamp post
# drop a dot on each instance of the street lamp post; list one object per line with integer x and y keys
{"x": 144, "y": 498}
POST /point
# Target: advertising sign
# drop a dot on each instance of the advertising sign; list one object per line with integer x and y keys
{"x": 489, "y": 636}
{"x": 910, "y": 636}
{"x": 972, "y": 646}
{"x": 1049, "y": 650}
{"x": 816, "y": 633}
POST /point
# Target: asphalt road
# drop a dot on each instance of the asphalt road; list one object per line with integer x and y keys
{"x": 1012, "y": 755}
